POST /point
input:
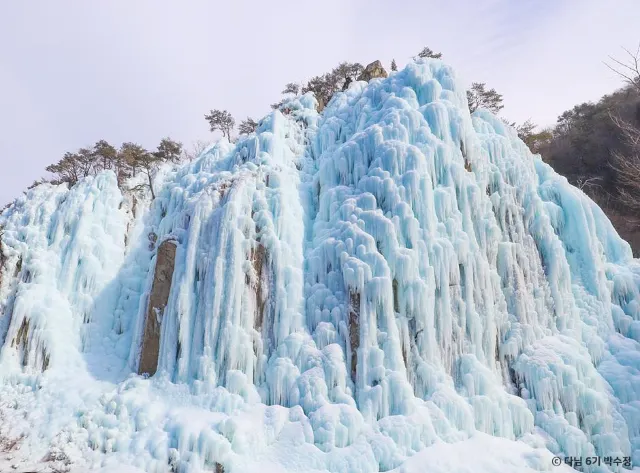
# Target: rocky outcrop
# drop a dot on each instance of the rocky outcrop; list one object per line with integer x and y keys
{"x": 373, "y": 71}
{"x": 3, "y": 257}
{"x": 160, "y": 290}
{"x": 21, "y": 341}
{"x": 258, "y": 260}
{"x": 354, "y": 331}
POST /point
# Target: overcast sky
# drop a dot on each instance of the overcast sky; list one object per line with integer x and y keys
{"x": 74, "y": 72}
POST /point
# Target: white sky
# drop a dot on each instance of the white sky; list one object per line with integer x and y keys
{"x": 74, "y": 72}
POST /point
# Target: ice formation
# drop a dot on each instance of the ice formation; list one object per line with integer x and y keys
{"x": 390, "y": 284}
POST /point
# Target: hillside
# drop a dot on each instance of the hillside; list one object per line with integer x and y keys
{"x": 583, "y": 147}
{"x": 389, "y": 284}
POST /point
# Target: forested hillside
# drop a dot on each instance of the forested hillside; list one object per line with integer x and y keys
{"x": 595, "y": 146}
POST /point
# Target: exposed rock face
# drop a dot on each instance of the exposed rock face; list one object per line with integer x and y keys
{"x": 158, "y": 299}
{"x": 372, "y": 71}
{"x": 259, "y": 259}
{"x": 3, "y": 258}
{"x": 354, "y": 331}
{"x": 21, "y": 341}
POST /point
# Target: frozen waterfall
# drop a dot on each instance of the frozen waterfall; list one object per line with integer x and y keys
{"x": 352, "y": 291}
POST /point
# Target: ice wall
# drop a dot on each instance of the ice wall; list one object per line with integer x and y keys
{"x": 347, "y": 290}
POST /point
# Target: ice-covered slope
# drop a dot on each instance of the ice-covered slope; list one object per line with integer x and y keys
{"x": 388, "y": 285}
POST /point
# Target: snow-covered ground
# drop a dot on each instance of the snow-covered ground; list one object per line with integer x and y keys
{"x": 393, "y": 285}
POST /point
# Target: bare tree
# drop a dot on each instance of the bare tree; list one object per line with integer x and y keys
{"x": 196, "y": 150}
{"x": 628, "y": 71}
{"x": 627, "y": 166}
{"x": 588, "y": 182}
{"x": 221, "y": 120}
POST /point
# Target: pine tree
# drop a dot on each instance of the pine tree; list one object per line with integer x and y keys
{"x": 86, "y": 161}
{"x": 479, "y": 97}
{"x": 247, "y": 126}
{"x": 66, "y": 170}
{"x": 130, "y": 155}
{"x": 138, "y": 158}
{"x": 221, "y": 120}
{"x": 324, "y": 86}
{"x": 344, "y": 72}
{"x": 148, "y": 164}
{"x": 428, "y": 52}
{"x": 394, "y": 66}
{"x": 105, "y": 155}
{"x": 291, "y": 88}
{"x": 169, "y": 150}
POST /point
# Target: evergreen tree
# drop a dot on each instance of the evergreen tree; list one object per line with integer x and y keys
{"x": 221, "y": 120}
{"x": 480, "y": 97}
{"x": 148, "y": 164}
{"x": 68, "y": 169}
{"x": 106, "y": 156}
{"x": 291, "y": 88}
{"x": 428, "y": 52}
{"x": 139, "y": 159}
{"x": 86, "y": 161}
{"x": 345, "y": 71}
{"x": 169, "y": 150}
{"x": 394, "y": 66}
{"x": 324, "y": 86}
{"x": 247, "y": 126}
{"x": 526, "y": 132}
{"x": 130, "y": 155}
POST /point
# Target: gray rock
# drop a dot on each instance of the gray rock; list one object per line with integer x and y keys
{"x": 158, "y": 299}
{"x": 373, "y": 71}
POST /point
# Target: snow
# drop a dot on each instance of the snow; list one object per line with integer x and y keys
{"x": 392, "y": 284}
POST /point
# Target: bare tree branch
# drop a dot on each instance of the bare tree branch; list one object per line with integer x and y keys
{"x": 590, "y": 182}
{"x": 627, "y": 167}
{"x": 628, "y": 71}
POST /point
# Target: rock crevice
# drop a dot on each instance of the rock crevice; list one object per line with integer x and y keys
{"x": 158, "y": 299}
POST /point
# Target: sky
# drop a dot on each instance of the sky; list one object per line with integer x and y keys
{"x": 73, "y": 72}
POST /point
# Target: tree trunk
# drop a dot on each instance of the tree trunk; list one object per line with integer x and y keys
{"x": 153, "y": 195}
